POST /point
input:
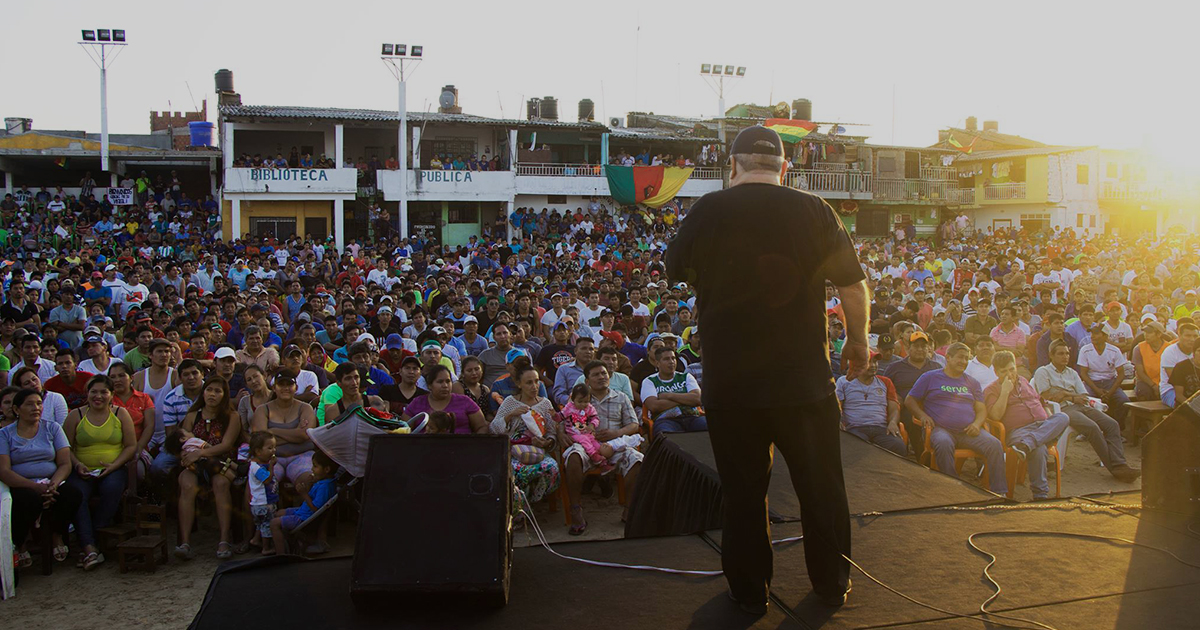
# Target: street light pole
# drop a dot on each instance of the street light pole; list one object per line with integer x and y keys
{"x": 714, "y": 75}
{"x": 394, "y": 55}
{"x": 96, "y": 43}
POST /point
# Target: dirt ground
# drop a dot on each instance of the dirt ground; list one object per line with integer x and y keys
{"x": 105, "y": 599}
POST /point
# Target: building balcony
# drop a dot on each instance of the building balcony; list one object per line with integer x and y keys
{"x": 328, "y": 182}
{"x": 1014, "y": 191}
{"x": 1122, "y": 191}
{"x": 440, "y": 185}
{"x": 831, "y": 184}
{"x": 918, "y": 191}
{"x": 590, "y": 180}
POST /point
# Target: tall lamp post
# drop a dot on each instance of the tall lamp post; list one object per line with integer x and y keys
{"x": 715, "y": 75}
{"x": 97, "y": 43}
{"x": 395, "y": 56}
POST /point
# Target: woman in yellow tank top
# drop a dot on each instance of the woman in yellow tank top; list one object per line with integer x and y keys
{"x": 103, "y": 440}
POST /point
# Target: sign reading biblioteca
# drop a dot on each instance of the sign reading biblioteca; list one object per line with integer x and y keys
{"x": 288, "y": 175}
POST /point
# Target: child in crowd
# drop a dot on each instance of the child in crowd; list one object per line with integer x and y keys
{"x": 580, "y": 423}
{"x": 440, "y": 422}
{"x": 322, "y": 490}
{"x": 263, "y": 494}
{"x": 180, "y": 442}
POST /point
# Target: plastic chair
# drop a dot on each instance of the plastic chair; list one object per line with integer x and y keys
{"x": 1014, "y": 472}
{"x": 961, "y": 455}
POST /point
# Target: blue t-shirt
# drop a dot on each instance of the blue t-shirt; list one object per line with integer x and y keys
{"x": 949, "y": 401}
{"x": 33, "y": 458}
{"x": 320, "y": 494}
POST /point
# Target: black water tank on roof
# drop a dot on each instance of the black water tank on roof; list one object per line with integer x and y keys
{"x": 801, "y": 109}
{"x": 224, "y": 80}
{"x": 549, "y": 108}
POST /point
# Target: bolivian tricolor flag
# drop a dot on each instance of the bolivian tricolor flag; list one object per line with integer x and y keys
{"x": 790, "y": 130}
{"x": 958, "y": 145}
{"x": 651, "y": 186}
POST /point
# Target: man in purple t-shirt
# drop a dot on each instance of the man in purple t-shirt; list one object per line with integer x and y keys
{"x": 951, "y": 403}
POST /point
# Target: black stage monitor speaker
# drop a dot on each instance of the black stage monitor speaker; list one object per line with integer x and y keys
{"x": 436, "y": 520}
{"x": 1171, "y": 462}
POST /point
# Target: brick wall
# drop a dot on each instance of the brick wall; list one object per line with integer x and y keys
{"x": 178, "y": 122}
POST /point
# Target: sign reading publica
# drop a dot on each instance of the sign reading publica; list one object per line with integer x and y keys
{"x": 288, "y": 175}
{"x": 443, "y": 176}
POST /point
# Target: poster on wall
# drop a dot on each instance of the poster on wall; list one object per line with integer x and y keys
{"x": 120, "y": 196}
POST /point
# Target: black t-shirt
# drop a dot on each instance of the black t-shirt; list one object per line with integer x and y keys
{"x": 758, "y": 256}
{"x": 1184, "y": 375}
{"x": 552, "y": 356}
{"x": 904, "y": 375}
{"x": 29, "y": 311}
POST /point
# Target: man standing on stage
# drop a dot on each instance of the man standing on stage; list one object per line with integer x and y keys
{"x": 758, "y": 255}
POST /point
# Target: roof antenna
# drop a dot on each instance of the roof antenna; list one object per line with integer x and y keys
{"x": 501, "y": 102}
{"x": 189, "y": 89}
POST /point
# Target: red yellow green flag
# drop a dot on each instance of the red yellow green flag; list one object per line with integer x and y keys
{"x": 652, "y": 186}
{"x": 790, "y": 130}
{"x": 958, "y": 145}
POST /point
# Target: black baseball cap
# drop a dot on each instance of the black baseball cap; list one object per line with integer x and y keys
{"x": 757, "y": 140}
{"x": 885, "y": 341}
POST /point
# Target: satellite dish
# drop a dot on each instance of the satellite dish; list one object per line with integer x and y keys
{"x": 615, "y": 121}
{"x": 446, "y": 100}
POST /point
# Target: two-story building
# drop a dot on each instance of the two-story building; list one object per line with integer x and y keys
{"x": 540, "y": 164}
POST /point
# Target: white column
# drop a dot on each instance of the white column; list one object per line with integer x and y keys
{"x": 512, "y": 149}
{"x": 8, "y": 182}
{"x": 228, "y": 152}
{"x": 235, "y": 220}
{"x": 416, "y": 147}
{"x": 339, "y": 144}
{"x": 212, "y": 178}
{"x": 339, "y": 227}
{"x": 112, "y": 180}
{"x": 508, "y": 212}
{"x": 104, "y": 112}
{"x": 402, "y": 149}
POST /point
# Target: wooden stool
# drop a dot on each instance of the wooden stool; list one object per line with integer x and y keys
{"x": 140, "y": 553}
{"x": 1152, "y": 411}
{"x": 112, "y": 536}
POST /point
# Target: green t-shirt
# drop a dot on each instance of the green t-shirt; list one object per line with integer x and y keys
{"x": 680, "y": 383}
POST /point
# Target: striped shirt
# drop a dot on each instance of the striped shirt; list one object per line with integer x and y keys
{"x": 615, "y": 411}
{"x": 174, "y": 407}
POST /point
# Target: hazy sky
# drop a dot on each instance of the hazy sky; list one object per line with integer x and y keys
{"x": 1080, "y": 73}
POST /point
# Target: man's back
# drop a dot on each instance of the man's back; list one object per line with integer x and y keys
{"x": 763, "y": 252}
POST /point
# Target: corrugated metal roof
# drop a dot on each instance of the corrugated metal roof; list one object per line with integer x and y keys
{"x": 641, "y": 133}
{"x": 982, "y": 156}
{"x": 372, "y": 115}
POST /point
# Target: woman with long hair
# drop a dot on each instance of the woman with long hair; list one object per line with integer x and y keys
{"x": 468, "y": 418}
{"x": 140, "y": 407}
{"x": 102, "y": 441}
{"x": 210, "y": 418}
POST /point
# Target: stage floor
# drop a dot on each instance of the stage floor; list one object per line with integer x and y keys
{"x": 1064, "y": 582}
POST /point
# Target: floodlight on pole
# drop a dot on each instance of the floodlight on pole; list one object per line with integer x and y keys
{"x": 715, "y": 75}
{"x": 396, "y": 63}
{"x": 96, "y": 43}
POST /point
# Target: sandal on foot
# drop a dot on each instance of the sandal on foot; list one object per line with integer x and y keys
{"x": 224, "y": 550}
{"x": 577, "y": 516}
{"x": 24, "y": 560}
{"x": 60, "y": 553}
{"x": 184, "y": 552}
{"x": 242, "y": 547}
{"x": 91, "y": 560}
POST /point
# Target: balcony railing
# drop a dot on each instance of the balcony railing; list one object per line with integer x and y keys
{"x": 940, "y": 173}
{"x": 561, "y": 170}
{"x": 595, "y": 170}
{"x": 1132, "y": 192}
{"x": 915, "y": 190}
{"x": 829, "y": 181}
{"x": 1004, "y": 192}
{"x": 963, "y": 196}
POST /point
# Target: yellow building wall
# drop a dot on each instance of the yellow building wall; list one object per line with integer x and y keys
{"x": 298, "y": 210}
{"x": 1037, "y": 183}
{"x": 38, "y": 142}
{"x": 1037, "y": 179}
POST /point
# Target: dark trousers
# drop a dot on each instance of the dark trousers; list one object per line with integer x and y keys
{"x": 109, "y": 489}
{"x": 808, "y": 438}
{"x": 27, "y": 506}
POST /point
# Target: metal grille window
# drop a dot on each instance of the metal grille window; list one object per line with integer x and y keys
{"x": 278, "y": 227}
{"x": 453, "y": 147}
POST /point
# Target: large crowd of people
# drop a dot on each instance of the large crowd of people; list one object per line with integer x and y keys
{"x": 142, "y": 344}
